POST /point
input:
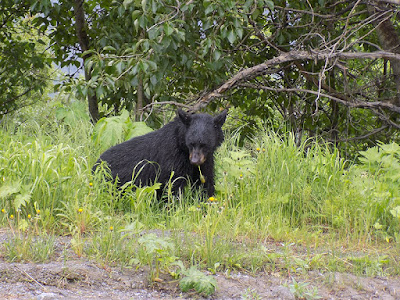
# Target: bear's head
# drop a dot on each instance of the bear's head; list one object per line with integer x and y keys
{"x": 203, "y": 134}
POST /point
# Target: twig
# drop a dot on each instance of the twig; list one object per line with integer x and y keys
{"x": 25, "y": 273}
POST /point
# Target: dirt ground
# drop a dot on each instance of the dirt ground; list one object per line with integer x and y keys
{"x": 80, "y": 278}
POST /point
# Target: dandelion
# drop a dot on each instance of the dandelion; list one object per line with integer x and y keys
{"x": 3, "y": 210}
{"x": 258, "y": 149}
{"x": 29, "y": 217}
{"x": 80, "y": 210}
{"x": 11, "y": 217}
{"x": 241, "y": 176}
{"x": 263, "y": 150}
{"x": 211, "y": 199}
{"x": 38, "y": 211}
{"x": 111, "y": 228}
{"x": 90, "y": 184}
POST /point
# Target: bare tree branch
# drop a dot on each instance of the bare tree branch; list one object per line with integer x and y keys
{"x": 353, "y": 104}
{"x": 260, "y": 69}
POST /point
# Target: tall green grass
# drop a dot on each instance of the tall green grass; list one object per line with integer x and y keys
{"x": 269, "y": 189}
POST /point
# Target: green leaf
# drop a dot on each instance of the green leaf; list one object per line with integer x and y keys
{"x": 255, "y": 14}
{"x": 127, "y": 3}
{"x": 210, "y": 8}
{"x": 110, "y": 131}
{"x": 152, "y": 65}
{"x": 109, "y": 48}
{"x": 137, "y": 129}
{"x": 168, "y": 29}
{"x": 87, "y": 52}
{"x": 370, "y": 156}
{"x": 136, "y": 14}
{"x": 10, "y": 189}
{"x": 271, "y": 5}
{"x": 390, "y": 149}
{"x": 396, "y": 212}
{"x": 195, "y": 279}
{"x": 21, "y": 200}
{"x": 153, "y": 243}
{"x": 231, "y": 36}
{"x": 144, "y": 4}
{"x": 217, "y": 54}
{"x": 23, "y": 224}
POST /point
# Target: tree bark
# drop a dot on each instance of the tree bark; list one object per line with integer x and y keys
{"x": 140, "y": 99}
{"x": 80, "y": 27}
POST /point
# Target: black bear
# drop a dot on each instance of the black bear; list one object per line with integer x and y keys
{"x": 181, "y": 146}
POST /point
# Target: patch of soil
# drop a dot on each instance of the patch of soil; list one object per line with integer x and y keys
{"x": 79, "y": 278}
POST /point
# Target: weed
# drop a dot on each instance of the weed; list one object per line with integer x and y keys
{"x": 26, "y": 247}
{"x": 194, "y": 279}
{"x": 250, "y": 294}
{"x": 300, "y": 290}
{"x": 158, "y": 253}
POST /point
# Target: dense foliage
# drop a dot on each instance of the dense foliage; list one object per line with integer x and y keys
{"x": 24, "y": 63}
{"x": 322, "y": 68}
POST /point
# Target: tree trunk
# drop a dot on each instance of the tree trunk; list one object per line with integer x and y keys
{"x": 80, "y": 27}
{"x": 389, "y": 40}
{"x": 140, "y": 98}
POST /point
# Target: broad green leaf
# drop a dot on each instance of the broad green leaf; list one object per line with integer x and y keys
{"x": 395, "y": 212}
{"x": 136, "y": 14}
{"x": 10, "y": 189}
{"x": 137, "y": 129}
{"x": 144, "y": 4}
{"x": 23, "y": 224}
{"x": 21, "y": 200}
{"x": 195, "y": 279}
{"x": 109, "y": 48}
{"x": 168, "y": 29}
{"x": 271, "y": 5}
{"x": 153, "y": 243}
{"x": 372, "y": 155}
{"x": 127, "y": 3}
{"x": 231, "y": 36}
{"x": 391, "y": 148}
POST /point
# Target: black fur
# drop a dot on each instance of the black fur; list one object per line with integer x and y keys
{"x": 180, "y": 146}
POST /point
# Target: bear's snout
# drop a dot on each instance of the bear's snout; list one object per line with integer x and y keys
{"x": 196, "y": 157}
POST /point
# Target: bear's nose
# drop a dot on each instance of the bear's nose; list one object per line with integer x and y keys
{"x": 196, "y": 157}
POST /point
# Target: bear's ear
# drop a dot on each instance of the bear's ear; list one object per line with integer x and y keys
{"x": 220, "y": 119}
{"x": 184, "y": 117}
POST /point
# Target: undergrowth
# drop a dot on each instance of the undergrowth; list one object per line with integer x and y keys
{"x": 269, "y": 190}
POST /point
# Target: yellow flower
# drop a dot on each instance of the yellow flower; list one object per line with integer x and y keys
{"x": 258, "y": 149}
{"x": 3, "y": 210}
{"x": 29, "y": 216}
{"x": 263, "y": 150}
{"x": 80, "y": 210}
{"x": 111, "y": 228}
{"x": 90, "y": 183}
{"x": 38, "y": 211}
{"x": 211, "y": 199}
{"x": 11, "y": 216}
